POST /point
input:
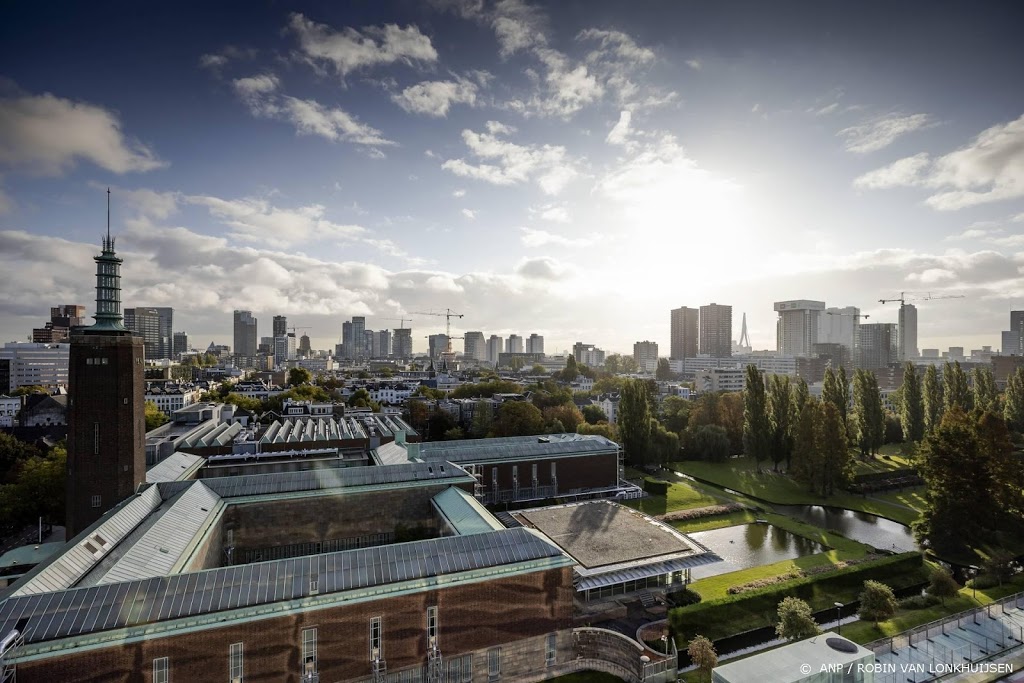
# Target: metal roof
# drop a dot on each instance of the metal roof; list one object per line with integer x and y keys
{"x": 464, "y": 514}
{"x": 174, "y": 467}
{"x": 515, "y": 447}
{"x": 643, "y": 571}
{"x": 80, "y": 611}
{"x": 390, "y": 453}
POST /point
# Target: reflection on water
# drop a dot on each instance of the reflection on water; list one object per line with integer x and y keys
{"x": 878, "y": 532}
{"x": 750, "y": 545}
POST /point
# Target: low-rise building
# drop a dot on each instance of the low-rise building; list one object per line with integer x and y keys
{"x": 169, "y": 396}
{"x": 720, "y": 379}
{"x": 10, "y": 406}
{"x": 30, "y": 364}
{"x": 43, "y": 410}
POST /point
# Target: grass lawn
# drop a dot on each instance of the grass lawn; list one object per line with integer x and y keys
{"x": 716, "y": 522}
{"x": 866, "y": 631}
{"x": 740, "y": 474}
{"x": 586, "y": 677}
{"x": 681, "y": 496}
{"x": 897, "y": 460}
{"x": 911, "y": 497}
{"x": 840, "y": 549}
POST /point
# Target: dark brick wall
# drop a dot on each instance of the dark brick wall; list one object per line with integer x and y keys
{"x": 471, "y": 618}
{"x": 571, "y": 473}
{"x": 107, "y": 400}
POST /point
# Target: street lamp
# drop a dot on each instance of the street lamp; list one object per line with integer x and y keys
{"x": 974, "y": 585}
{"x": 839, "y": 617}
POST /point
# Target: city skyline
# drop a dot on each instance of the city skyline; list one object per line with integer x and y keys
{"x": 268, "y": 165}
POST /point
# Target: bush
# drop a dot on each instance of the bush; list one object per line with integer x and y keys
{"x": 919, "y": 601}
{"x": 983, "y": 581}
{"x": 684, "y": 597}
{"x": 656, "y": 487}
{"x": 701, "y": 512}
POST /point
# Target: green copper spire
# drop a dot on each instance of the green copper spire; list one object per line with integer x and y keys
{"x": 108, "y": 285}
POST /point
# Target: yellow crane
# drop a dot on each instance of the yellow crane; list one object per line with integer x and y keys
{"x": 447, "y": 315}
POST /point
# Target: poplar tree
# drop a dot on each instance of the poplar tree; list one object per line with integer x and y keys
{"x": 956, "y": 391}
{"x": 780, "y": 412}
{"x": 1013, "y": 403}
{"x": 869, "y": 416}
{"x": 635, "y": 422}
{"x": 931, "y": 395}
{"x": 912, "y": 405}
{"x": 756, "y": 426}
{"x": 985, "y": 392}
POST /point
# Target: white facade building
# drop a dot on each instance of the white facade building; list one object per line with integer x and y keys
{"x": 535, "y": 343}
{"x": 839, "y": 326}
{"x": 494, "y": 348}
{"x": 797, "y": 327}
{"x": 32, "y": 364}
{"x": 172, "y": 397}
{"x": 719, "y": 379}
{"x": 645, "y": 354}
{"x": 9, "y": 407}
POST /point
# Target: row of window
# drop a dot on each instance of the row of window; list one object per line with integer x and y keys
{"x": 97, "y": 361}
{"x": 515, "y": 474}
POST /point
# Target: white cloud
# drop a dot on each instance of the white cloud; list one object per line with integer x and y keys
{"x": 544, "y": 268}
{"x": 619, "y": 134}
{"x": 518, "y": 26}
{"x": 969, "y": 234}
{"x": 215, "y": 61}
{"x": 543, "y": 238}
{"x": 6, "y": 203}
{"x": 256, "y": 220}
{"x": 435, "y": 98}
{"x": 990, "y": 168}
{"x": 254, "y": 86}
{"x": 46, "y": 135}
{"x": 547, "y": 165}
{"x": 469, "y": 213}
{"x": 350, "y": 50}
{"x": 458, "y": 194}
{"x": 554, "y": 213}
{"x": 932, "y": 276}
{"x": 881, "y": 131}
{"x": 694, "y": 64}
{"x": 617, "y": 43}
{"x": 499, "y": 128}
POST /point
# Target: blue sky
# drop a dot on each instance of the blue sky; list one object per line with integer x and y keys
{"x": 573, "y": 169}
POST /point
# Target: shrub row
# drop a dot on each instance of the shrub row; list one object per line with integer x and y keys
{"x": 656, "y": 487}
{"x": 882, "y": 476}
{"x": 800, "y": 573}
{"x": 698, "y": 513}
{"x": 919, "y": 601}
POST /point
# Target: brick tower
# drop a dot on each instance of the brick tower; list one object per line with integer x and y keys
{"x": 106, "y": 424}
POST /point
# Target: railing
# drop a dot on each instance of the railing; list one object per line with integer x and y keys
{"x": 603, "y": 650}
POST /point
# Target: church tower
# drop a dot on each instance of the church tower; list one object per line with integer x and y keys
{"x": 106, "y": 422}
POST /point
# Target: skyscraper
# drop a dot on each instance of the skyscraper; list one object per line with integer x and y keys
{"x": 401, "y": 343}
{"x": 908, "y": 332}
{"x": 358, "y": 338}
{"x": 535, "y": 343}
{"x": 62, "y": 319}
{"x": 877, "y": 346}
{"x": 304, "y": 347}
{"x": 280, "y": 325}
{"x": 436, "y": 345}
{"x": 384, "y": 343}
{"x": 1017, "y": 331}
{"x": 180, "y": 344}
{"x": 348, "y": 340}
{"x": 716, "y": 331}
{"x": 839, "y": 326}
{"x": 371, "y": 344}
{"x": 106, "y": 426}
{"x": 645, "y": 354}
{"x": 156, "y": 326}
{"x": 494, "y": 347}
{"x": 684, "y": 333}
{"x": 797, "y": 327}
{"x": 514, "y": 344}
{"x": 474, "y": 346}
{"x": 245, "y": 334}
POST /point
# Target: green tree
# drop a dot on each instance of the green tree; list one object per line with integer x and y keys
{"x": 486, "y": 389}
{"x": 613, "y": 364}
{"x": 154, "y": 418}
{"x": 780, "y": 419}
{"x": 942, "y": 585}
{"x": 801, "y": 394}
{"x": 663, "y": 371}
{"x": 483, "y": 416}
{"x": 439, "y": 424}
{"x": 835, "y": 391}
{"x": 567, "y": 414}
{"x": 609, "y": 431}
{"x": 711, "y": 443}
{"x": 549, "y": 394}
{"x": 454, "y": 434}
{"x": 877, "y": 602}
{"x": 911, "y": 405}
{"x": 675, "y": 413}
{"x": 635, "y": 422}
{"x": 731, "y": 412}
{"x": 932, "y": 400}
{"x": 986, "y": 396}
{"x": 28, "y": 390}
{"x": 833, "y": 455}
{"x": 571, "y": 370}
{"x": 806, "y": 456}
{"x": 664, "y": 444}
{"x": 37, "y": 490}
{"x": 610, "y": 384}
{"x": 297, "y": 376}
{"x": 869, "y": 414}
{"x": 1013, "y": 403}
{"x": 245, "y": 402}
{"x": 13, "y": 451}
{"x": 796, "y": 621}
{"x": 702, "y": 654}
{"x": 538, "y": 370}
{"x": 518, "y": 418}
{"x": 593, "y": 414}
{"x": 955, "y": 390}
{"x": 757, "y": 432}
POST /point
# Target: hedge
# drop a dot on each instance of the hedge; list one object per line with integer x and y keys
{"x": 656, "y": 487}
{"x": 756, "y": 608}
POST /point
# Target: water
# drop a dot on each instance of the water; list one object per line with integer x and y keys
{"x": 750, "y": 545}
{"x": 875, "y": 531}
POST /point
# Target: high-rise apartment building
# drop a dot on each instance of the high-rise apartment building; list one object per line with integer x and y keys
{"x": 384, "y": 343}
{"x": 358, "y": 336}
{"x": 245, "y": 334}
{"x": 797, "y": 327}
{"x": 1013, "y": 339}
{"x": 877, "y": 345}
{"x": 535, "y": 343}
{"x": 589, "y": 354}
{"x": 371, "y": 344}
{"x": 684, "y": 333}
{"x": 106, "y": 424}
{"x": 839, "y": 326}
{"x": 304, "y": 346}
{"x": 514, "y": 344}
{"x": 494, "y": 348}
{"x": 474, "y": 346}
{"x": 645, "y": 354}
{"x": 280, "y": 325}
{"x": 907, "y": 347}
{"x": 348, "y": 342}
{"x": 62, "y": 319}
{"x": 436, "y": 345}
{"x": 284, "y": 349}
{"x": 401, "y": 342}
{"x": 30, "y": 364}
{"x": 180, "y": 344}
{"x": 716, "y": 331}
{"x": 156, "y": 326}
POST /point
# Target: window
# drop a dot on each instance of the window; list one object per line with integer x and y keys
{"x": 235, "y": 662}
{"x": 534, "y": 472}
{"x": 375, "y": 640}
{"x": 431, "y": 627}
{"x": 95, "y": 438}
{"x": 97, "y": 501}
{"x": 467, "y": 670}
{"x": 494, "y": 664}
{"x": 515, "y": 475}
{"x": 494, "y": 478}
{"x": 550, "y": 649}
{"x": 309, "y": 650}
{"x": 161, "y": 670}
{"x": 553, "y": 475}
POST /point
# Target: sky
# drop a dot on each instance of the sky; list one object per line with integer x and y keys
{"x": 573, "y": 169}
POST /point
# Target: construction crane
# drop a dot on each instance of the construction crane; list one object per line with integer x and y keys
{"x": 855, "y": 316}
{"x": 401, "y": 321}
{"x": 903, "y": 298}
{"x": 448, "y": 315}
{"x": 300, "y": 327}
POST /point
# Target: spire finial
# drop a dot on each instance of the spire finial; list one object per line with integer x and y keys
{"x": 108, "y": 214}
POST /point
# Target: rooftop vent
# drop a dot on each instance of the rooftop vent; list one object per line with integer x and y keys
{"x": 841, "y": 645}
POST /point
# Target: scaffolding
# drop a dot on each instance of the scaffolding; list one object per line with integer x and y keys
{"x": 435, "y": 665}
{"x": 380, "y": 671}
{"x": 14, "y": 639}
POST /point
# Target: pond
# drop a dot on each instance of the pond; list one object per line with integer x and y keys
{"x": 750, "y": 545}
{"x": 875, "y": 531}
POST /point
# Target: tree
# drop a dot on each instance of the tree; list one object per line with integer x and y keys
{"x": 571, "y": 370}
{"x": 538, "y": 370}
{"x": 801, "y": 394}
{"x": 780, "y": 416}
{"x": 37, "y": 490}
{"x": 942, "y": 585}
{"x": 610, "y": 384}
{"x": 429, "y": 392}
{"x": 613, "y": 364}
{"x": 608, "y": 431}
{"x": 911, "y": 405}
{"x": 549, "y": 394}
{"x": 805, "y": 449}
{"x": 833, "y": 455}
{"x": 249, "y": 403}
{"x": 756, "y": 426}
{"x": 955, "y": 389}
{"x": 154, "y": 418}
{"x": 796, "y": 620}
{"x": 634, "y": 421}
{"x": 483, "y": 416}
{"x": 664, "y": 444}
{"x": 439, "y": 424}
{"x": 593, "y": 414}
{"x": 731, "y": 411}
{"x": 711, "y": 443}
{"x": 13, "y": 451}
{"x": 832, "y": 392}
{"x": 877, "y": 602}
{"x": 986, "y": 395}
{"x": 999, "y": 565}
{"x": 869, "y": 414}
{"x": 297, "y": 376}
{"x": 932, "y": 399}
{"x": 28, "y": 390}
{"x": 518, "y": 418}
{"x": 454, "y": 434}
{"x": 702, "y": 654}
{"x": 663, "y": 371}
{"x": 486, "y": 389}
{"x": 675, "y": 413}
{"x": 567, "y": 414}
{"x": 1013, "y": 403}
{"x": 360, "y": 398}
